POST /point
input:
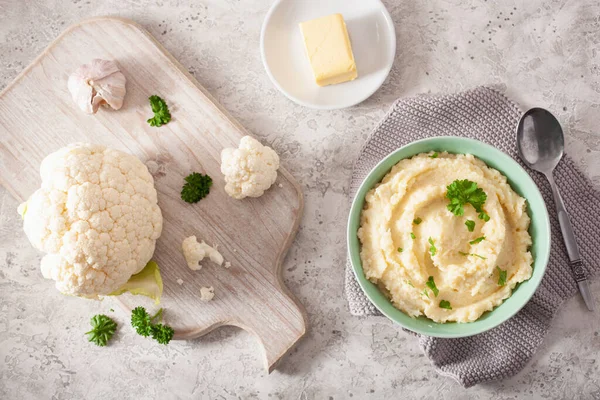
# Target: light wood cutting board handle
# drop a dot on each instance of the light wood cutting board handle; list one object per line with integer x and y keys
{"x": 277, "y": 327}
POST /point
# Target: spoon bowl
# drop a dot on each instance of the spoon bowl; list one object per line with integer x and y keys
{"x": 540, "y": 140}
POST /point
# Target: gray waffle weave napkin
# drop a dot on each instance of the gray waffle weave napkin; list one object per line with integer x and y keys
{"x": 487, "y": 115}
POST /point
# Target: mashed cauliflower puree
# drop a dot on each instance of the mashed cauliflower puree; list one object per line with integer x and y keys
{"x": 430, "y": 261}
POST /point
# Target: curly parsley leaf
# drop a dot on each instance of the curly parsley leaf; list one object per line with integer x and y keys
{"x": 501, "y": 276}
{"x": 425, "y": 292}
{"x": 103, "y": 328}
{"x": 160, "y": 110}
{"x": 461, "y": 192}
{"x": 482, "y": 215}
{"x": 470, "y": 225}
{"x": 445, "y": 304}
{"x": 141, "y": 321}
{"x": 479, "y": 239}
{"x": 400, "y": 249}
{"x": 432, "y": 248}
{"x": 162, "y": 333}
{"x": 417, "y": 221}
{"x": 196, "y": 187}
{"x": 431, "y": 285}
{"x": 412, "y": 235}
{"x": 144, "y": 325}
{"x": 434, "y": 155}
{"x": 409, "y": 283}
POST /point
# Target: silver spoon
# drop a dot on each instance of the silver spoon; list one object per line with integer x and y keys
{"x": 541, "y": 145}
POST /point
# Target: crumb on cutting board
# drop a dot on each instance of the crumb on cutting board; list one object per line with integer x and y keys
{"x": 227, "y": 264}
{"x": 207, "y": 293}
{"x": 180, "y": 281}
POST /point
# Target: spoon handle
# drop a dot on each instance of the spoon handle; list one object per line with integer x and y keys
{"x": 571, "y": 244}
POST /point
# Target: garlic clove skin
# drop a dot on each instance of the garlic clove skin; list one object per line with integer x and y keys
{"x": 81, "y": 92}
{"x": 97, "y": 83}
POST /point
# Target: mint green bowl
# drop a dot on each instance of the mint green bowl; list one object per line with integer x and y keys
{"x": 539, "y": 230}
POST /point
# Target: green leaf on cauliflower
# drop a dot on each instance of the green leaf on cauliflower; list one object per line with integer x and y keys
{"x": 22, "y": 209}
{"x": 147, "y": 282}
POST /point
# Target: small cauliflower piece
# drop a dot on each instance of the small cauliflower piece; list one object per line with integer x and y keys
{"x": 250, "y": 169}
{"x": 96, "y": 216}
{"x": 207, "y": 293}
{"x": 195, "y": 252}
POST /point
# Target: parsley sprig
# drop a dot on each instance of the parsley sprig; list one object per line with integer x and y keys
{"x": 160, "y": 110}
{"x": 103, "y": 328}
{"x": 461, "y": 192}
{"x": 144, "y": 325}
{"x": 196, "y": 187}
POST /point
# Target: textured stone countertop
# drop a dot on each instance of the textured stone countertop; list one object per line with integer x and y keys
{"x": 545, "y": 53}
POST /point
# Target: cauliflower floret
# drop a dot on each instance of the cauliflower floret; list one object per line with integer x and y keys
{"x": 250, "y": 169}
{"x": 96, "y": 216}
{"x": 195, "y": 252}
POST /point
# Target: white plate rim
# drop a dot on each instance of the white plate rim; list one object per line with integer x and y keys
{"x": 296, "y": 100}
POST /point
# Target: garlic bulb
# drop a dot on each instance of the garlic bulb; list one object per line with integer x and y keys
{"x": 97, "y": 83}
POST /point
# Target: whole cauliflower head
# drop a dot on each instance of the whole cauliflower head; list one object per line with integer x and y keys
{"x": 250, "y": 169}
{"x": 97, "y": 217}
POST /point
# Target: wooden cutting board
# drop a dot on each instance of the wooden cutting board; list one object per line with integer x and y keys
{"x": 38, "y": 116}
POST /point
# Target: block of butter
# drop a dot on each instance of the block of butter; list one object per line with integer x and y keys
{"x": 328, "y": 48}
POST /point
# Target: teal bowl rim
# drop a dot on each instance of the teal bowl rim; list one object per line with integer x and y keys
{"x": 540, "y": 260}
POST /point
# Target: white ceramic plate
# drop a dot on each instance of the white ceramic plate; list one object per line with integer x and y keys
{"x": 373, "y": 39}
